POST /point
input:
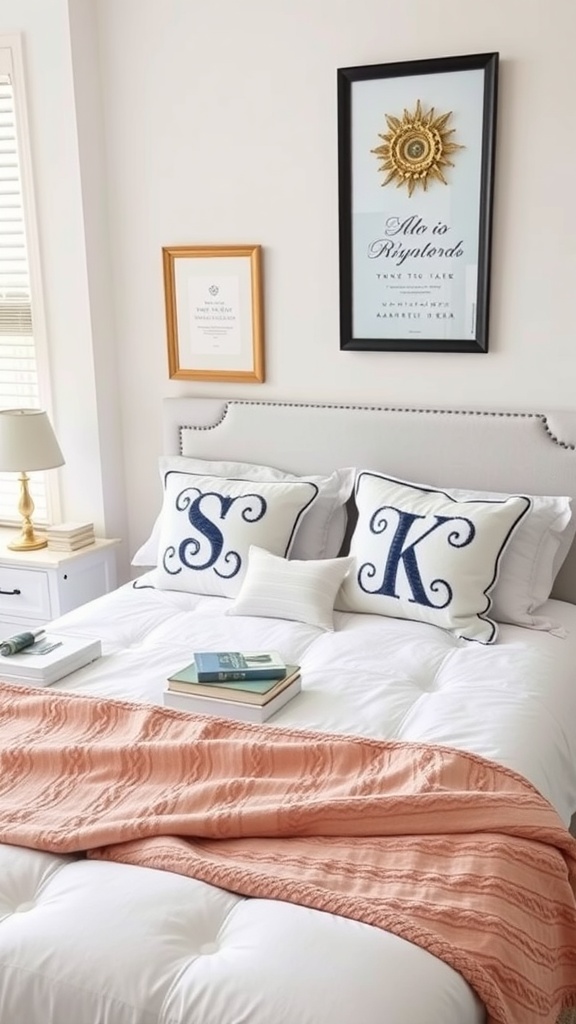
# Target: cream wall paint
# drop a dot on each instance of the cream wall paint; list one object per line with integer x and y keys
{"x": 219, "y": 125}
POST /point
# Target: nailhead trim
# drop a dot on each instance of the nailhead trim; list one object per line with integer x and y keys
{"x": 384, "y": 408}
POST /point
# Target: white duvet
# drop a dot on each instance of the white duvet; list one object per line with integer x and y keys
{"x": 84, "y": 942}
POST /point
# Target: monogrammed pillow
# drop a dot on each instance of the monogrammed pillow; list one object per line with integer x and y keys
{"x": 420, "y": 554}
{"x": 321, "y": 533}
{"x": 532, "y": 559}
{"x": 208, "y": 524}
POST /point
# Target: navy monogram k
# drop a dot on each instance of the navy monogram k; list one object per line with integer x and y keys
{"x": 408, "y": 534}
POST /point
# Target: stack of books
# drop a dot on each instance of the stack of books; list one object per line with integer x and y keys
{"x": 250, "y": 686}
{"x": 70, "y": 536}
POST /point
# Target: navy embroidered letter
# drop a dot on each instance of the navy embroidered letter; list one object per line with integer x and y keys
{"x": 189, "y": 552}
{"x": 402, "y": 551}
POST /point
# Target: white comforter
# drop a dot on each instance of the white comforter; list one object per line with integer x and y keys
{"x": 84, "y": 942}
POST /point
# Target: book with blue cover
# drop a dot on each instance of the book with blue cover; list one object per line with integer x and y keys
{"x": 223, "y": 666}
{"x": 250, "y": 691}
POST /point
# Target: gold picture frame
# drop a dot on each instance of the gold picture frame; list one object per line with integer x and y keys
{"x": 214, "y": 312}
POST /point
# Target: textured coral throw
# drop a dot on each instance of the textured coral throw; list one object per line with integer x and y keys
{"x": 442, "y": 848}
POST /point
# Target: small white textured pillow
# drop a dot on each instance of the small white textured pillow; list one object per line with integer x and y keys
{"x": 300, "y": 590}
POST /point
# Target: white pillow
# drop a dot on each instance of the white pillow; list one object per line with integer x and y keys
{"x": 320, "y": 534}
{"x": 208, "y": 524}
{"x": 303, "y": 591}
{"x": 532, "y": 559}
{"x": 420, "y": 554}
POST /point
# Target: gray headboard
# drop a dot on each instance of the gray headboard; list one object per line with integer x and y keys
{"x": 517, "y": 452}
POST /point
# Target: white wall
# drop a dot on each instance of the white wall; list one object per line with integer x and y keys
{"x": 64, "y": 106}
{"x": 219, "y": 125}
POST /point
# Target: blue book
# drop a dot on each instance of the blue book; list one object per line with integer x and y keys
{"x": 245, "y": 691}
{"x": 224, "y": 666}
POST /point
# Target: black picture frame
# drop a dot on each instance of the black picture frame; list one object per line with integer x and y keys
{"x": 416, "y": 148}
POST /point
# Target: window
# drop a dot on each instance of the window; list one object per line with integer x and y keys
{"x": 21, "y": 309}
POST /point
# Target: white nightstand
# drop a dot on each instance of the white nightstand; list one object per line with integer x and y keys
{"x": 38, "y": 586}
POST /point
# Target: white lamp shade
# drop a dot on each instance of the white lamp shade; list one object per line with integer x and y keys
{"x": 27, "y": 441}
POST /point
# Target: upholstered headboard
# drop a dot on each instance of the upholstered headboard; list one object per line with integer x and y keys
{"x": 516, "y": 452}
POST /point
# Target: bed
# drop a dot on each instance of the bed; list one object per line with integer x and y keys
{"x": 439, "y": 688}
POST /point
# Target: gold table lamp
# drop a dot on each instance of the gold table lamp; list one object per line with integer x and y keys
{"x": 27, "y": 444}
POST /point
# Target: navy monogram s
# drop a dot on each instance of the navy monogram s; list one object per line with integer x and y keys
{"x": 205, "y": 548}
{"x": 456, "y": 531}
{"x": 208, "y": 524}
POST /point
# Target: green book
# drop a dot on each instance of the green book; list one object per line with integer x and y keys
{"x": 252, "y": 691}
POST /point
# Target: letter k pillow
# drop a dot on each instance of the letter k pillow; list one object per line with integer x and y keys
{"x": 420, "y": 554}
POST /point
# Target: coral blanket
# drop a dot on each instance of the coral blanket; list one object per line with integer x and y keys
{"x": 443, "y": 848}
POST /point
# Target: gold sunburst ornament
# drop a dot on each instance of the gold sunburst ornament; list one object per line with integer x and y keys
{"x": 416, "y": 148}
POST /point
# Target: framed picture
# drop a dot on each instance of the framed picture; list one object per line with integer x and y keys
{"x": 416, "y": 145}
{"x": 214, "y": 319}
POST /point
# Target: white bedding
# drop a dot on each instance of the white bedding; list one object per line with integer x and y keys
{"x": 84, "y": 942}
{"x": 513, "y": 701}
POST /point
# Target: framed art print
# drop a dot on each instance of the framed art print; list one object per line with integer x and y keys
{"x": 416, "y": 143}
{"x": 214, "y": 320}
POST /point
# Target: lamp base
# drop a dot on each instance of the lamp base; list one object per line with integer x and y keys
{"x": 24, "y": 543}
{"x": 28, "y": 540}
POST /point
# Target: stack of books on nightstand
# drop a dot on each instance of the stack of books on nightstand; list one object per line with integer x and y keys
{"x": 250, "y": 686}
{"x": 70, "y": 536}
